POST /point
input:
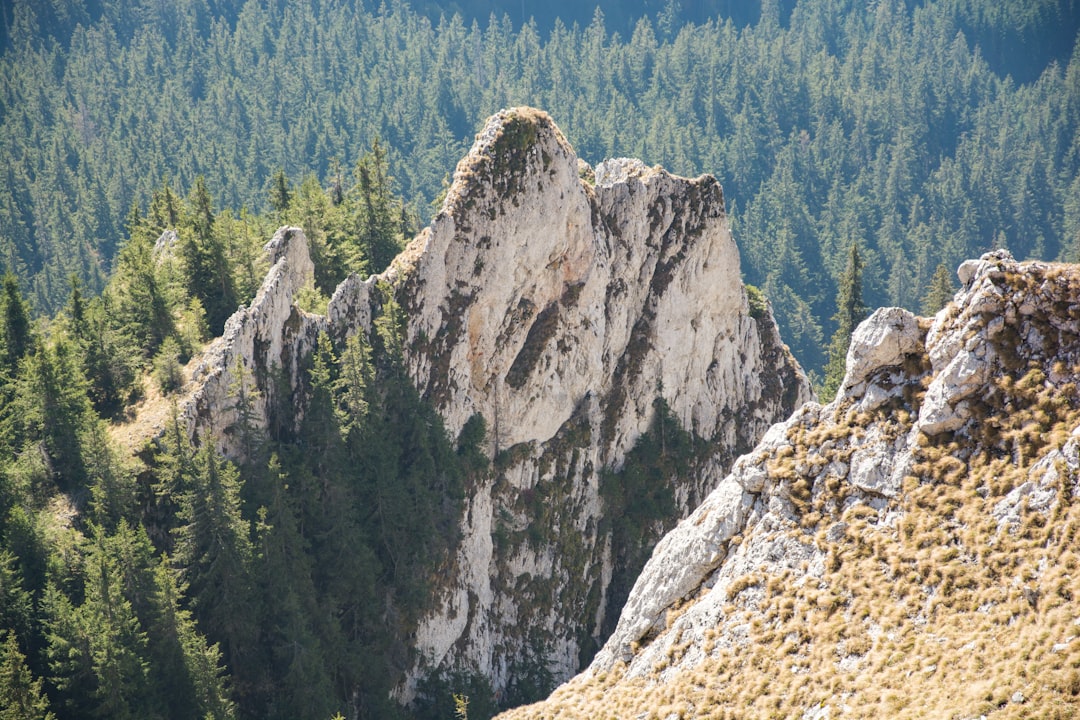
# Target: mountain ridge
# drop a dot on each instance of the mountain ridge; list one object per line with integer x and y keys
{"x": 572, "y": 310}
{"x": 905, "y": 550}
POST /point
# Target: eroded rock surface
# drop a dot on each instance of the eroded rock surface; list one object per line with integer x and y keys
{"x": 873, "y": 543}
{"x": 561, "y": 310}
{"x": 560, "y": 303}
{"x": 234, "y": 376}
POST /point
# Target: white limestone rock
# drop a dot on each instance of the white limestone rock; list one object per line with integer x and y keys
{"x": 687, "y": 556}
{"x": 560, "y": 303}
{"x": 528, "y": 294}
{"x": 545, "y": 296}
{"x": 882, "y": 341}
{"x": 871, "y": 466}
{"x": 891, "y": 358}
{"x": 271, "y": 333}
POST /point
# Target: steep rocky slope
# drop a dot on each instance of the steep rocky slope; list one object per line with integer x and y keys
{"x": 908, "y": 550}
{"x": 573, "y": 310}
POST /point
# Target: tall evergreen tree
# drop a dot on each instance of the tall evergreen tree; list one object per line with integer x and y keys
{"x": 850, "y": 311}
{"x": 53, "y": 409}
{"x": 16, "y": 604}
{"x": 164, "y": 208}
{"x": 21, "y": 696}
{"x": 940, "y": 292}
{"x": 116, "y": 641}
{"x": 280, "y": 193}
{"x": 109, "y": 359}
{"x": 137, "y": 294}
{"x": 214, "y": 552}
{"x": 206, "y": 265}
{"x": 97, "y": 647}
{"x": 378, "y": 214}
{"x": 17, "y": 340}
{"x": 189, "y": 672}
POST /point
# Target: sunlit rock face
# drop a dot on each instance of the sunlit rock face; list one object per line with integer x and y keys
{"x": 560, "y": 303}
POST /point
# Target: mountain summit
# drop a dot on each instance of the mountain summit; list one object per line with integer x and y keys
{"x": 576, "y": 315}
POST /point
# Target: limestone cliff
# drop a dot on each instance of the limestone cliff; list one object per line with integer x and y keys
{"x": 232, "y": 382}
{"x": 560, "y": 303}
{"x": 907, "y": 550}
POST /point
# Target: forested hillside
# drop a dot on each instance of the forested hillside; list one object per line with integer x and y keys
{"x": 119, "y": 558}
{"x": 890, "y": 125}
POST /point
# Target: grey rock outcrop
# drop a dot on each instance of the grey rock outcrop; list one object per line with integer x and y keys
{"x": 560, "y": 310}
{"x": 986, "y": 387}
{"x": 559, "y": 303}
{"x": 231, "y": 384}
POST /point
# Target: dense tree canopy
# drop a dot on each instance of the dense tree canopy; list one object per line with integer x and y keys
{"x": 895, "y": 125}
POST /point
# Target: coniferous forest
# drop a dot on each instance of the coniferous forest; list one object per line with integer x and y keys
{"x": 149, "y": 149}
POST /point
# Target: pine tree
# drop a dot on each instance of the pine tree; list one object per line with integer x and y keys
{"x": 189, "y": 672}
{"x": 280, "y": 193}
{"x": 112, "y": 486}
{"x": 350, "y": 389}
{"x": 940, "y": 292}
{"x": 245, "y": 394}
{"x": 97, "y": 648}
{"x": 16, "y": 604}
{"x": 850, "y": 311}
{"x": 109, "y": 359}
{"x": 164, "y": 208}
{"x": 311, "y": 209}
{"x": 117, "y": 643}
{"x": 378, "y": 213}
{"x": 21, "y": 697}
{"x": 53, "y": 408}
{"x": 298, "y": 636}
{"x": 213, "y": 550}
{"x": 139, "y": 298}
{"x": 207, "y": 270}
{"x": 16, "y": 329}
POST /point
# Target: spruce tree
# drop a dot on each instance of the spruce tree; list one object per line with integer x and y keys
{"x": 116, "y": 641}
{"x": 378, "y": 215}
{"x": 206, "y": 260}
{"x": 97, "y": 648}
{"x": 16, "y": 604}
{"x": 164, "y": 208}
{"x": 189, "y": 672}
{"x": 350, "y": 389}
{"x": 52, "y": 406}
{"x": 21, "y": 697}
{"x": 17, "y": 340}
{"x": 280, "y": 193}
{"x": 297, "y": 633}
{"x": 141, "y": 308}
{"x": 940, "y": 292}
{"x": 213, "y": 550}
{"x": 850, "y": 311}
{"x": 109, "y": 359}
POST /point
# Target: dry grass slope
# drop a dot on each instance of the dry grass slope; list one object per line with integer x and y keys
{"x": 931, "y": 606}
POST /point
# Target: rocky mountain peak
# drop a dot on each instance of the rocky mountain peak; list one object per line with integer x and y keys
{"x": 534, "y": 288}
{"x": 572, "y": 309}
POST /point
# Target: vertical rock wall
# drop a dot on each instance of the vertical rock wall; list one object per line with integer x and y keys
{"x": 559, "y": 303}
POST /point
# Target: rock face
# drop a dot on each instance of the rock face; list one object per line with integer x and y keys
{"x": 232, "y": 382}
{"x": 892, "y": 552}
{"x": 560, "y": 304}
{"x": 560, "y": 310}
